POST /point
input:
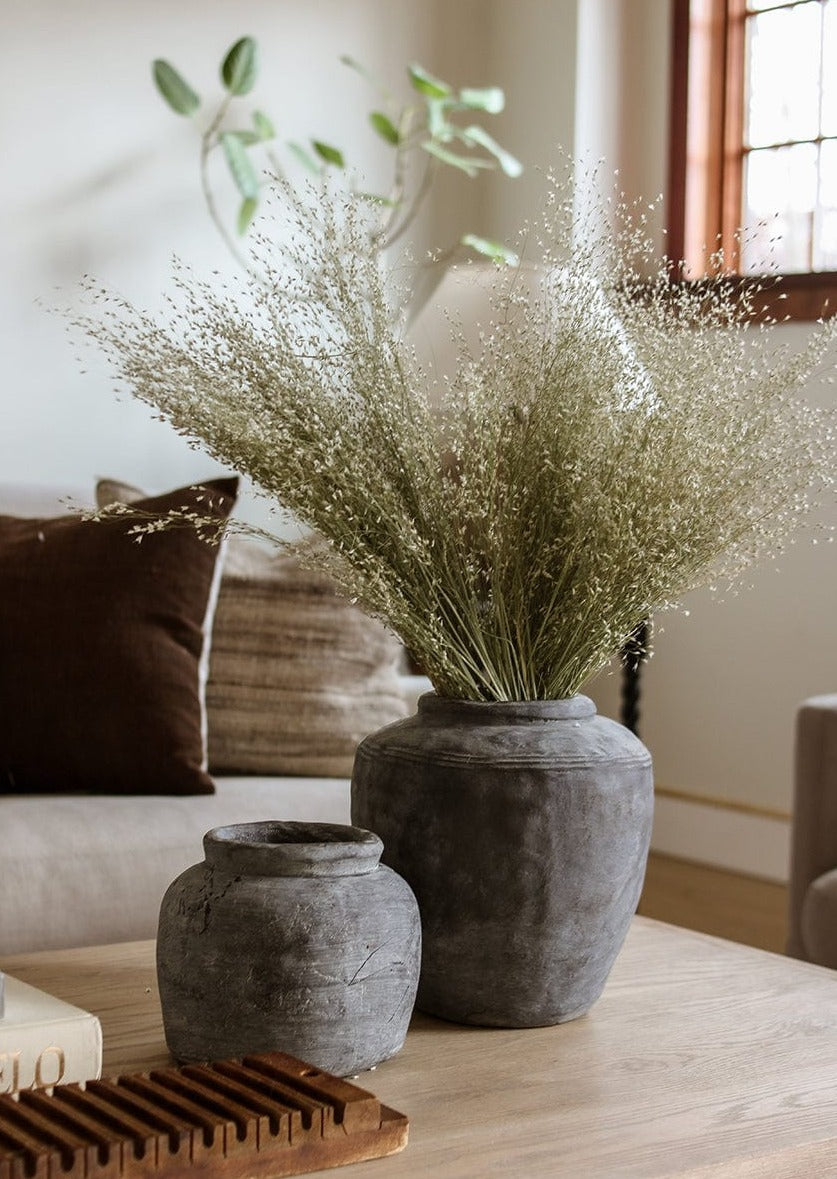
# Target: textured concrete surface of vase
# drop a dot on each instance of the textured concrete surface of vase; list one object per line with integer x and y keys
{"x": 289, "y": 937}
{"x": 523, "y": 829}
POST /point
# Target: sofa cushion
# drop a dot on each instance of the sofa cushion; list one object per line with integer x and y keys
{"x": 297, "y": 675}
{"x": 80, "y": 870}
{"x": 819, "y": 920}
{"x": 102, "y": 642}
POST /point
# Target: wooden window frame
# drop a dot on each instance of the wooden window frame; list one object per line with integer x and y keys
{"x": 705, "y": 156}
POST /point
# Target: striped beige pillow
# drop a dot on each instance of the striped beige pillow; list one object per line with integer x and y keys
{"x": 297, "y": 675}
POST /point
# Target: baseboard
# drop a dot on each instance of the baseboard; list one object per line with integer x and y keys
{"x": 721, "y": 836}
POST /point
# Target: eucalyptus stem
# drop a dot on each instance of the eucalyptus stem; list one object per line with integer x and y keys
{"x": 415, "y": 205}
{"x": 413, "y": 129}
{"x": 208, "y": 142}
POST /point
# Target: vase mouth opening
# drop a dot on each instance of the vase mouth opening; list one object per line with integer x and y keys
{"x": 274, "y": 832}
{"x": 286, "y": 848}
{"x": 498, "y": 711}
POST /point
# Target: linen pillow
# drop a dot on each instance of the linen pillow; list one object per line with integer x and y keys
{"x": 101, "y": 643}
{"x": 297, "y": 675}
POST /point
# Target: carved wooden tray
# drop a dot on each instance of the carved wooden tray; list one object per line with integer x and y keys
{"x": 262, "y": 1116}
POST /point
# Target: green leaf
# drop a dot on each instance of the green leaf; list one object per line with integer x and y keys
{"x": 246, "y": 214}
{"x": 243, "y": 173}
{"x": 476, "y": 136}
{"x": 385, "y": 127}
{"x": 263, "y": 126}
{"x": 353, "y": 64}
{"x": 370, "y": 79}
{"x": 489, "y": 249}
{"x": 331, "y": 155}
{"x": 305, "y": 158}
{"x": 426, "y": 84}
{"x": 471, "y": 167}
{"x": 437, "y": 121}
{"x": 247, "y": 138}
{"x": 491, "y": 99}
{"x": 240, "y": 66}
{"x": 178, "y": 94}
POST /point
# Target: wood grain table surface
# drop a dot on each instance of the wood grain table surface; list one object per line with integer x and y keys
{"x": 703, "y": 1059}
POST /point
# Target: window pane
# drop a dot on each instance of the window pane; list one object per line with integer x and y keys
{"x": 783, "y": 54}
{"x": 761, "y": 5}
{"x": 780, "y": 194}
{"x": 829, "y": 74}
{"x": 825, "y": 244}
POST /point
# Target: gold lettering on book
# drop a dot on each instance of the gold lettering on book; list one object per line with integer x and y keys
{"x": 9, "y": 1072}
{"x": 49, "y": 1067}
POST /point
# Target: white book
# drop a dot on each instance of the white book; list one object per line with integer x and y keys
{"x": 45, "y": 1041}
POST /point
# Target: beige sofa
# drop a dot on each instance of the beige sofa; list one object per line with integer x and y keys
{"x": 80, "y": 869}
{"x": 86, "y": 869}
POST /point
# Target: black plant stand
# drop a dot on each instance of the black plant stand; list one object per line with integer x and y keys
{"x": 634, "y": 654}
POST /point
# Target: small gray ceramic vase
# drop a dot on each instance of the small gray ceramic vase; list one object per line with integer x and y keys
{"x": 289, "y": 937}
{"x": 523, "y": 830}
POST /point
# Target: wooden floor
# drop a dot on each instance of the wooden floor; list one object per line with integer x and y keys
{"x": 739, "y": 908}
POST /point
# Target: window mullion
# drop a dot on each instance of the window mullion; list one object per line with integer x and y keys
{"x": 816, "y": 216}
{"x": 732, "y": 178}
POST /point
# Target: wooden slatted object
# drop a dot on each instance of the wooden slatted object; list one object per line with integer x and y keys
{"x": 263, "y": 1116}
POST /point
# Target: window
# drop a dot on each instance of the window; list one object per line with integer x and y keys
{"x": 754, "y": 144}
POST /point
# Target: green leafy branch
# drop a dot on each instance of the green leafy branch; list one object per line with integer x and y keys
{"x": 436, "y": 127}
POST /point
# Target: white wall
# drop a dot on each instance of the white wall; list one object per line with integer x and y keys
{"x": 534, "y": 57}
{"x": 622, "y": 96}
{"x": 721, "y": 689}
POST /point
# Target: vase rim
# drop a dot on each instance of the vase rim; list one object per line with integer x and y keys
{"x": 292, "y": 848}
{"x": 570, "y": 708}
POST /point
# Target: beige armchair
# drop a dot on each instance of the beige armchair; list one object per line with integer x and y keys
{"x": 812, "y": 924}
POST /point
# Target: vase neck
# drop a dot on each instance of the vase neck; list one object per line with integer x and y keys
{"x": 292, "y": 849}
{"x": 504, "y": 711}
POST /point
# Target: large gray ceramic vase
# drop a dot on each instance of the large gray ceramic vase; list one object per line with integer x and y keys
{"x": 523, "y": 830}
{"x": 289, "y": 937}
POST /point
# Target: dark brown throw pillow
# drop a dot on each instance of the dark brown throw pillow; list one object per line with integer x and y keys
{"x": 103, "y": 650}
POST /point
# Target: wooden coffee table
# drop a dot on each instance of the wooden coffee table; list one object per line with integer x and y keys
{"x": 702, "y": 1058}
